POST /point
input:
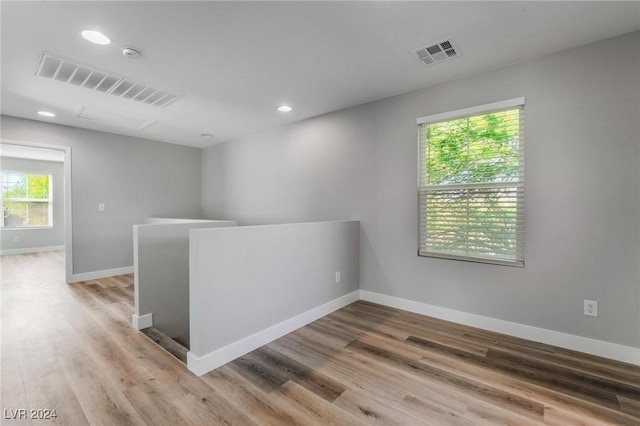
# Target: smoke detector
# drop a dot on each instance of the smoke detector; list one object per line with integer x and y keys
{"x": 130, "y": 52}
{"x": 437, "y": 52}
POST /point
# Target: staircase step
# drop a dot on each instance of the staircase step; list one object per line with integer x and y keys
{"x": 167, "y": 343}
{"x": 182, "y": 341}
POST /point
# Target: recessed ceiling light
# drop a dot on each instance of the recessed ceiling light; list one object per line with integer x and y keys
{"x": 46, "y": 114}
{"x": 284, "y": 108}
{"x": 95, "y": 37}
{"x": 206, "y": 135}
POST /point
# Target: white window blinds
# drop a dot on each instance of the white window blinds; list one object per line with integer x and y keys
{"x": 471, "y": 184}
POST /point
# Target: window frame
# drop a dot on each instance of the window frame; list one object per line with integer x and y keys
{"x": 48, "y": 201}
{"x": 489, "y": 108}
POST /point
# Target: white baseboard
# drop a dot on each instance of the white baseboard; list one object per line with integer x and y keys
{"x": 95, "y": 275}
{"x": 208, "y": 362}
{"x": 141, "y": 322}
{"x": 564, "y": 340}
{"x": 30, "y": 250}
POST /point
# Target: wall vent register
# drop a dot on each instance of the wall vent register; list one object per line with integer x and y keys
{"x": 437, "y": 52}
{"x": 65, "y": 71}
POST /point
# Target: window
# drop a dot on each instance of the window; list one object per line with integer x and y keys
{"x": 26, "y": 200}
{"x": 471, "y": 184}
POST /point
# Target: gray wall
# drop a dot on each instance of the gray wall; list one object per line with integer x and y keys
{"x": 582, "y": 190}
{"x": 135, "y": 178}
{"x": 37, "y": 237}
{"x": 315, "y": 171}
{"x": 161, "y": 268}
{"x": 246, "y": 279}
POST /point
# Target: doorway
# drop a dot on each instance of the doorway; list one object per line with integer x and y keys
{"x": 36, "y": 162}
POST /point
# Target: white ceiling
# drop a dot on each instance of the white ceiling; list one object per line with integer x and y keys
{"x": 235, "y": 62}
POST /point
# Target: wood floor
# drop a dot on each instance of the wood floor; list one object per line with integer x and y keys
{"x": 71, "y": 348}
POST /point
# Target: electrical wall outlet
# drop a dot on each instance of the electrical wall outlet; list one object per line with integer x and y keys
{"x": 338, "y": 278}
{"x": 591, "y": 308}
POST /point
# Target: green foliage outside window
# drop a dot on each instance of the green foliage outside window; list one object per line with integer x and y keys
{"x": 476, "y": 149}
{"x": 26, "y": 200}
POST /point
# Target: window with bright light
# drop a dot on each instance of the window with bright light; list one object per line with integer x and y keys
{"x": 26, "y": 200}
{"x": 471, "y": 184}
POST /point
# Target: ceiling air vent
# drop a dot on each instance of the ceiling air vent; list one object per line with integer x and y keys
{"x": 437, "y": 52}
{"x": 68, "y": 72}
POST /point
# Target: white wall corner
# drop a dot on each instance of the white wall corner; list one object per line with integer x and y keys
{"x": 195, "y": 364}
{"x": 200, "y": 365}
{"x": 141, "y": 322}
{"x": 601, "y": 348}
{"x": 95, "y": 275}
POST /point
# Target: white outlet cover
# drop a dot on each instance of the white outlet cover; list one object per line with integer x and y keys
{"x": 591, "y": 308}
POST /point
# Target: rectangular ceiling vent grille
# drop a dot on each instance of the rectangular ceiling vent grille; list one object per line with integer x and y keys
{"x": 102, "y": 81}
{"x": 437, "y": 52}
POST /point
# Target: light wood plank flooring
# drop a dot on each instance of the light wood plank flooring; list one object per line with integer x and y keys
{"x": 72, "y": 348}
